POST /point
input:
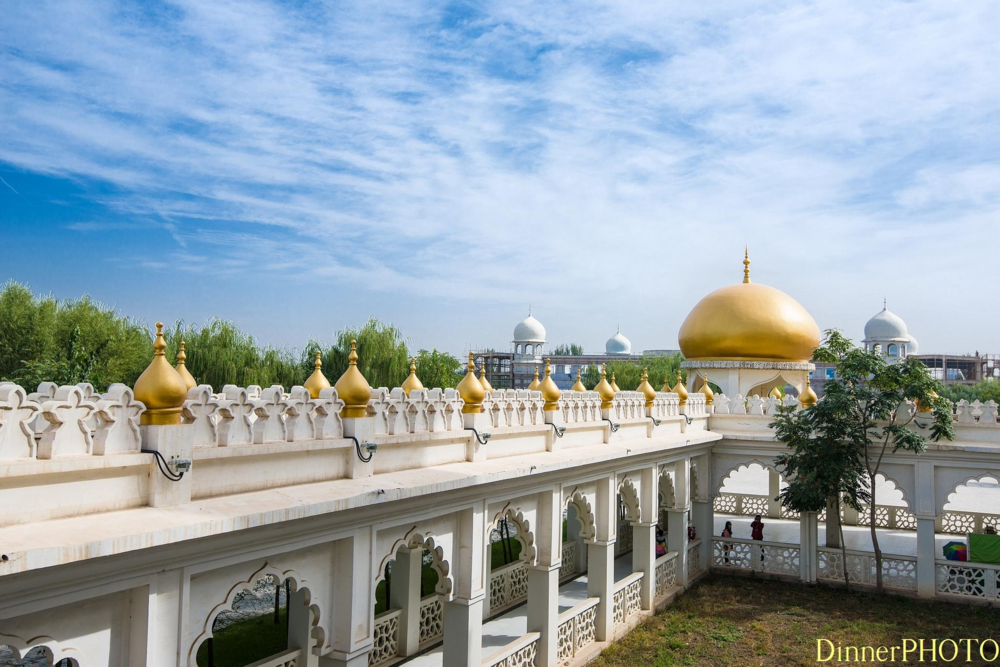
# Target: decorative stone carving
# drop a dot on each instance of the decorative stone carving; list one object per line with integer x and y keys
{"x": 67, "y": 432}
{"x": 118, "y": 422}
{"x": 750, "y": 365}
{"x": 299, "y": 409}
{"x": 17, "y": 440}
{"x": 326, "y": 422}
{"x": 269, "y": 408}
{"x": 234, "y": 426}
{"x": 199, "y": 410}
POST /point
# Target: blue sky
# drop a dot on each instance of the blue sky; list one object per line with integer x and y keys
{"x": 297, "y": 167}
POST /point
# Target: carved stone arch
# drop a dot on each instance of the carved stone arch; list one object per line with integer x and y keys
{"x": 899, "y": 486}
{"x": 55, "y": 651}
{"x": 298, "y": 582}
{"x": 763, "y": 388}
{"x": 947, "y": 495}
{"x": 416, "y": 540}
{"x": 721, "y": 479}
{"x": 584, "y": 514}
{"x": 665, "y": 488}
{"x": 630, "y": 499}
{"x": 524, "y": 533}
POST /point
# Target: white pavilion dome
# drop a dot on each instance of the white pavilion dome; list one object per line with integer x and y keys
{"x": 529, "y": 330}
{"x": 911, "y": 347}
{"x": 886, "y": 325}
{"x": 618, "y": 344}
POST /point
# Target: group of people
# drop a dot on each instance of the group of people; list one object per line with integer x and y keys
{"x": 661, "y": 539}
{"x": 756, "y": 533}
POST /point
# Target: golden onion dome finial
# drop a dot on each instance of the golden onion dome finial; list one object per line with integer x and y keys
{"x": 681, "y": 390}
{"x": 604, "y": 389}
{"x": 160, "y": 387}
{"x": 352, "y": 388}
{"x": 808, "y": 397}
{"x": 550, "y": 392}
{"x": 182, "y": 370}
{"x": 412, "y": 382}
{"x": 534, "y": 383}
{"x": 471, "y": 390}
{"x": 482, "y": 377}
{"x": 775, "y": 393}
{"x": 647, "y": 389}
{"x": 316, "y": 382}
{"x": 746, "y": 264}
{"x": 578, "y": 385}
{"x": 926, "y": 407}
{"x": 614, "y": 385}
{"x": 707, "y": 391}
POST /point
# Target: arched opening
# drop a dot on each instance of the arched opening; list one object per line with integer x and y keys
{"x": 40, "y": 656}
{"x": 510, "y": 545}
{"x": 973, "y": 507}
{"x": 893, "y": 350}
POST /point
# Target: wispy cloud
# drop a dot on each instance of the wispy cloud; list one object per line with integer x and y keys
{"x": 598, "y": 149}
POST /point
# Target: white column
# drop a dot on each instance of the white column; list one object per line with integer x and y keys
{"x": 677, "y": 518}
{"x": 703, "y": 518}
{"x": 362, "y": 428}
{"x": 167, "y": 607}
{"x": 773, "y": 489}
{"x": 543, "y": 577}
{"x": 463, "y": 632}
{"x": 404, "y": 594}
{"x": 832, "y": 525}
{"x": 353, "y": 600}
{"x": 644, "y": 536}
{"x": 170, "y": 441}
{"x": 601, "y": 556}
{"x": 300, "y": 623}
{"x": 463, "y": 615}
{"x": 926, "y": 555}
{"x": 808, "y": 541}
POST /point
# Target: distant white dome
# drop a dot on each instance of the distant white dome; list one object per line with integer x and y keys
{"x": 911, "y": 347}
{"x": 885, "y": 326}
{"x": 618, "y": 344}
{"x": 529, "y": 330}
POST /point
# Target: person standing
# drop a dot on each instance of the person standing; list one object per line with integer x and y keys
{"x": 727, "y": 531}
{"x": 757, "y": 532}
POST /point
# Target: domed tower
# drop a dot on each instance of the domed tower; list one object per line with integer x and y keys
{"x": 529, "y": 344}
{"x": 618, "y": 345}
{"x": 886, "y": 334}
{"x": 748, "y": 339}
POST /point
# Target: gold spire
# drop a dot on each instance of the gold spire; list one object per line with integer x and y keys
{"x": 807, "y": 398}
{"x": 746, "y": 264}
{"x": 614, "y": 385}
{"x": 707, "y": 391}
{"x": 412, "y": 381}
{"x": 646, "y": 388}
{"x": 482, "y": 377}
{"x": 471, "y": 390}
{"x": 535, "y": 383}
{"x": 160, "y": 388}
{"x": 926, "y": 407}
{"x": 604, "y": 389}
{"x": 578, "y": 386}
{"x": 182, "y": 369}
{"x": 681, "y": 390}
{"x": 316, "y": 382}
{"x": 352, "y": 388}
{"x": 775, "y": 393}
{"x": 550, "y": 392}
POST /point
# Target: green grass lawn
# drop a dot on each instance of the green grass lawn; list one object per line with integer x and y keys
{"x": 246, "y": 642}
{"x": 736, "y": 621}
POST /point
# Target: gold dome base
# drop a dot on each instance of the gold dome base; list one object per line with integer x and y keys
{"x": 160, "y": 417}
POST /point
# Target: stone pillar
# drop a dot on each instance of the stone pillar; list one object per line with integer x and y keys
{"x": 463, "y": 615}
{"x": 677, "y": 540}
{"x": 167, "y": 609}
{"x": 463, "y": 632}
{"x": 703, "y": 517}
{"x": 474, "y": 452}
{"x": 353, "y": 600}
{"x": 644, "y": 536}
{"x": 601, "y": 584}
{"x": 543, "y": 577}
{"x": 362, "y": 428}
{"x": 773, "y": 489}
{"x": 171, "y": 442}
{"x": 926, "y": 555}
{"x": 404, "y": 594}
{"x": 300, "y": 623}
{"x": 851, "y": 516}
{"x": 832, "y": 525}
{"x": 808, "y": 542}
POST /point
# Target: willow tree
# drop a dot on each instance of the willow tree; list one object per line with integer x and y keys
{"x": 438, "y": 369}
{"x": 382, "y": 354}
{"x": 871, "y": 408}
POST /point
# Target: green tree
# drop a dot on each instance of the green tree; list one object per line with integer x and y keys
{"x": 984, "y": 390}
{"x": 571, "y": 350}
{"x": 868, "y": 410}
{"x": 382, "y": 354}
{"x": 438, "y": 369}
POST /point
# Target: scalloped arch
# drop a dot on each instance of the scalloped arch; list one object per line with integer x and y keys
{"x": 524, "y": 533}
{"x": 56, "y": 651}
{"x": 630, "y": 499}
{"x": 954, "y": 490}
{"x": 413, "y": 540}
{"x": 585, "y": 514}
{"x": 741, "y": 466}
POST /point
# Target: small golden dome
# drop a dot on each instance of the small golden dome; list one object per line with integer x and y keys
{"x": 352, "y": 388}
{"x": 160, "y": 388}
{"x": 807, "y": 398}
{"x": 578, "y": 385}
{"x": 707, "y": 391}
{"x": 535, "y": 383}
{"x": 317, "y": 382}
{"x": 471, "y": 390}
{"x": 925, "y": 407}
{"x": 748, "y": 322}
{"x": 614, "y": 385}
{"x": 482, "y": 378}
{"x": 604, "y": 389}
{"x": 550, "y": 392}
{"x": 182, "y": 369}
{"x": 646, "y": 388}
{"x": 681, "y": 390}
{"x": 412, "y": 381}
{"x": 775, "y": 393}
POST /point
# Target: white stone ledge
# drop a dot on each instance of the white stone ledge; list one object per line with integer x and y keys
{"x": 76, "y": 463}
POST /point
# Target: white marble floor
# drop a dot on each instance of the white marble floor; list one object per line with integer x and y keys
{"x": 500, "y": 631}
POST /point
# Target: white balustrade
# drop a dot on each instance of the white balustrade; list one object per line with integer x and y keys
{"x": 693, "y": 559}
{"x": 665, "y": 571}
{"x": 385, "y": 635}
{"x": 897, "y": 571}
{"x": 508, "y": 585}
{"x": 576, "y": 629}
{"x": 431, "y": 619}
{"x": 569, "y": 566}
{"x": 289, "y": 658}
{"x": 519, "y": 653}
{"x": 967, "y": 580}
{"x": 626, "y": 599}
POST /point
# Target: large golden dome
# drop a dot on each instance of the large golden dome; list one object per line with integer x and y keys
{"x": 748, "y": 322}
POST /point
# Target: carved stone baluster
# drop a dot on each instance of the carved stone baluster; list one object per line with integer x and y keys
{"x": 234, "y": 427}
{"x": 118, "y": 428}
{"x": 269, "y": 408}
{"x": 66, "y": 432}
{"x": 17, "y": 439}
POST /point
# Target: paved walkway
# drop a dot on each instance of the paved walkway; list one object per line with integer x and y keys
{"x": 504, "y": 629}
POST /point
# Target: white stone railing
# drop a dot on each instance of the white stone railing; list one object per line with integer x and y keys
{"x": 741, "y": 504}
{"x": 71, "y": 420}
{"x": 519, "y": 653}
{"x": 665, "y": 571}
{"x": 626, "y": 599}
{"x": 508, "y": 585}
{"x": 959, "y": 579}
{"x": 431, "y": 619}
{"x": 693, "y": 558}
{"x": 963, "y": 523}
{"x": 385, "y": 635}
{"x": 976, "y": 412}
{"x": 666, "y": 404}
{"x": 887, "y": 516}
{"x": 577, "y": 407}
{"x": 750, "y": 405}
{"x": 289, "y": 658}
{"x": 514, "y": 407}
{"x": 625, "y": 538}
{"x": 755, "y": 555}
{"x": 570, "y": 563}
{"x": 577, "y": 629}
{"x": 897, "y": 571}
{"x": 628, "y": 405}
{"x": 696, "y": 405}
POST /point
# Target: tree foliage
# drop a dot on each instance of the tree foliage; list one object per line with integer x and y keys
{"x": 984, "y": 390}
{"x": 571, "y": 350}
{"x": 837, "y": 446}
{"x": 628, "y": 372}
{"x": 438, "y": 369}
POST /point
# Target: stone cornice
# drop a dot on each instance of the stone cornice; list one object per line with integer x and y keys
{"x": 749, "y": 365}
